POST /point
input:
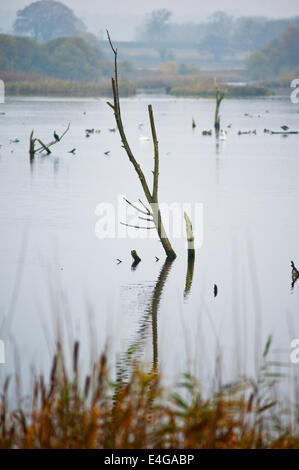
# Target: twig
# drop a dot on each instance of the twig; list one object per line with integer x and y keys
{"x": 146, "y": 208}
{"x": 44, "y": 146}
{"x": 137, "y": 226}
{"x": 137, "y": 208}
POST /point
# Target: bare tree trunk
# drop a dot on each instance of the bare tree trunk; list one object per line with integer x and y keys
{"x": 219, "y": 98}
{"x": 32, "y": 145}
{"x": 152, "y": 197}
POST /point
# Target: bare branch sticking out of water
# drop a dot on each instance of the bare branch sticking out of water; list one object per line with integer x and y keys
{"x": 219, "y": 97}
{"x": 44, "y": 147}
{"x": 151, "y": 197}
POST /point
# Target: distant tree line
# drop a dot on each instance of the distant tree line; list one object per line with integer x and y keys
{"x": 220, "y": 35}
{"x": 276, "y": 58}
{"x": 51, "y": 40}
{"x": 68, "y": 58}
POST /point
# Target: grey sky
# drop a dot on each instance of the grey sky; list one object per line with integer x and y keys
{"x": 123, "y": 16}
{"x": 188, "y": 8}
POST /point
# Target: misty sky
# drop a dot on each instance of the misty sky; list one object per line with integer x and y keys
{"x": 186, "y": 8}
{"x": 124, "y": 15}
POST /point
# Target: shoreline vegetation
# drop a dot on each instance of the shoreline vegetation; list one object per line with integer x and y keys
{"x": 30, "y": 85}
{"x": 68, "y": 411}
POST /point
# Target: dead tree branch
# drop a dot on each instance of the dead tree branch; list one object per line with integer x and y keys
{"x": 219, "y": 97}
{"x": 53, "y": 142}
{"x": 191, "y": 255}
{"x": 151, "y": 197}
{"x": 45, "y": 147}
{"x": 137, "y": 226}
{"x": 156, "y": 154}
{"x": 190, "y": 236}
{"x": 146, "y": 208}
{"x": 137, "y": 208}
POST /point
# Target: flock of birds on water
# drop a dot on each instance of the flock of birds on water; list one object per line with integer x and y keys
{"x": 222, "y": 135}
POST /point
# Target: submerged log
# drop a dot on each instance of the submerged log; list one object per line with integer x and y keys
{"x": 285, "y": 132}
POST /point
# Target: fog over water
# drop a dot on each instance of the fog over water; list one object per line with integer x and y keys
{"x": 248, "y": 186}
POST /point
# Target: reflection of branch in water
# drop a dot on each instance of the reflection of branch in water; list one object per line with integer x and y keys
{"x": 189, "y": 276}
{"x": 150, "y": 316}
{"x": 155, "y": 306}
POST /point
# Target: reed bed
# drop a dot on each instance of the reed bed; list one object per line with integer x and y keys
{"x": 139, "y": 413}
{"x": 18, "y": 84}
{"x": 53, "y": 87}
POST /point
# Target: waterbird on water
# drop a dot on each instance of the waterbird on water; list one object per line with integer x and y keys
{"x": 295, "y": 274}
{"x": 215, "y": 290}
{"x": 223, "y": 135}
{"x": 56, "y": 136}
{"x": 207, "y": 132}
{"x": 143, "y": 138}
{"x": 284, "y": 128}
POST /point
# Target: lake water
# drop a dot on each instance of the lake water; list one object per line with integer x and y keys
{"x": 59, "y": 278}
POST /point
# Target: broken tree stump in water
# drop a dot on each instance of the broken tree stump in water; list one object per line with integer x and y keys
{"x": 135, "y": 257}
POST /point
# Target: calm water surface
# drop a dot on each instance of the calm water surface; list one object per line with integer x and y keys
{"x": 58, "y": 278}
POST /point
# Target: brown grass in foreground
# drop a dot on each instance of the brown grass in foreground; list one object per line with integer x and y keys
{"x": 140, "y": 413}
